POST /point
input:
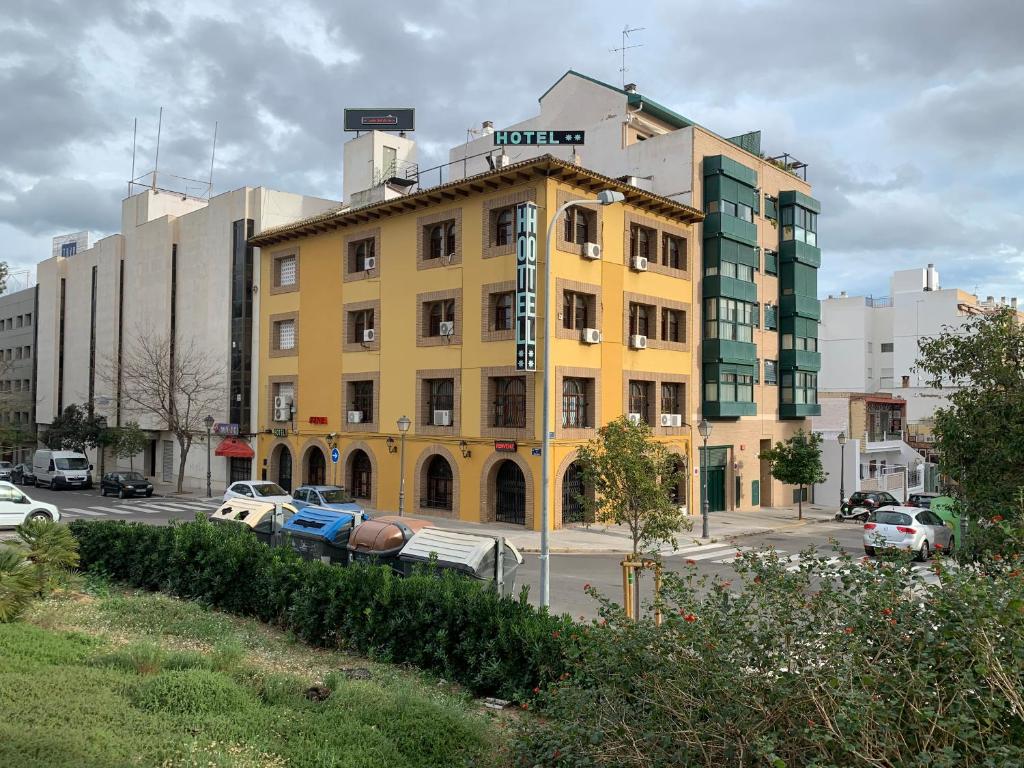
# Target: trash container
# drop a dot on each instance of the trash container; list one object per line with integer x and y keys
{"x": 261, "y": 517}
{"x": 381, "y": 539}
{"x": 317, "y": 533}
{"x": 470, "y": 554}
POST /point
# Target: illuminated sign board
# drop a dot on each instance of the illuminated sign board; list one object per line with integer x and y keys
{"x": 384, "y": 119}
{"x": 526, "y": 287}
{"x": 505, "y": 446}
{"x": 537, "y": 138}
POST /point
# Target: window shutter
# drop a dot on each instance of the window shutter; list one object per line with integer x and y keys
{"x": 286, "y": 334}
{"x": 286, "y": 267}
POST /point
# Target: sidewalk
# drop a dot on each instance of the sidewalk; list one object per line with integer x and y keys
{"x": 601, "y": 539}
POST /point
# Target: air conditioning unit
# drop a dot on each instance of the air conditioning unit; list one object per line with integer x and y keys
{"x": 636, "y": 341}
{"x": 591, "y": 336}
{"x": 634, "y": 418}
{"x": 442, "y": 418}
{"x": 369, "y": 335}
{"x": 370, "y": 263}
{"x": 671, "y": 420}
{"x": 447, "y": 328}
{"x": 282, "y": 408}
{"x": 282, "y": 414}
{"x": 591, "y": 251}
{"x": 355, "y": 417}
{"x": 640, "y": 263}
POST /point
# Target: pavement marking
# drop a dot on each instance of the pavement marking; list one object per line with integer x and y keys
{"x": 161, "y": 507}
{"x": 86, "y": 512}
{"x": 113, "y": 510}
{"x": 718, "y": 553}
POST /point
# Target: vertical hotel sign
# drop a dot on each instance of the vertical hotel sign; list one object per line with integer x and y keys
{"x": 526, "y": 287}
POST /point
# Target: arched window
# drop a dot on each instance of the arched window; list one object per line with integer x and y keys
{"x": 439, "y": 484}
{"x": 503, "y": 314}
{"x": 436, "y": 241}
{"x": 510, "y": 401}
{"x": 449, "y": 238}
{"x": 574, "y": 403}
{"x": 573, "y": 491}
{"x": 362, "y": 475}
{"x": 503, "y": 233}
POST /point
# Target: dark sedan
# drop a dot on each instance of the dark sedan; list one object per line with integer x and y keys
{"x": 22, "y": 474}
{"x": 125, "y": 484}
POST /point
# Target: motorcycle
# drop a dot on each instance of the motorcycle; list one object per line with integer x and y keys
{"x": 850, "y": 512}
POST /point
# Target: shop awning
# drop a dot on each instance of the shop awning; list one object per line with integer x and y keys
{"x": 235, "y": 448}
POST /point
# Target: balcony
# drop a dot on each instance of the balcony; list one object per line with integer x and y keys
{"x": 876, "y": 442}
{"x": 730, "y": 226}
{"x": 800, "y": 306}
{"x": 800, "y": 359}
{"x": 794, "y": 250}
{"x": 729, "y": 287}
{"x": 728, "y": 351}
{"x": 719, "y": 409}
{"x": 799, "y": 410}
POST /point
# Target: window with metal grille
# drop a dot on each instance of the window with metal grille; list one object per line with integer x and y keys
{"x": 360, "y": 322}
{"x": 361, "y": 481}
{"x": 286, "y": 268}
{"x": 673, "y": 325}
{"x": 440, "y": 397}
{"x": 362, "y": 399}
{"x": 509, "y": 402}
{"x": 284, "y": 334}
{"x": 640, "y": 319}
{"x": 672, "y": 397}
{"x": 673, "y": 252}
{"x": 574, "y": 403}
{"x": 641, "y": 242}
{"x": 576, "y": 310}
{"x": 640, "y": 399}
{"x": 438, "y": 312}
{"x": 439, "y": 484}
{"x": 504, "y": 225}
{"x": 359, "y": 252}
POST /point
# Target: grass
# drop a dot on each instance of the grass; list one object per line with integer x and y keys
{"x": 122, "y": 679}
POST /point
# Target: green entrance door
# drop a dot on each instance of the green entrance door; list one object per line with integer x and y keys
{"x": 755, "y": 492}
{"x": 716, "y": 489}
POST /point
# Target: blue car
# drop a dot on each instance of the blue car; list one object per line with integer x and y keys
{"x": 327, "y": 496}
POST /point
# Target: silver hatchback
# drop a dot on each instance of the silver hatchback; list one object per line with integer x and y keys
{"x": 920, "y": 531}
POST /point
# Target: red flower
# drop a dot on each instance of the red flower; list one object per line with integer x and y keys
{"x": 810, "y": 723}
{"x": 757, "y": 579}
{"x": 536, "y": 690}
{"x": 887, "y": 611}
{"x": 556, "y": 755}
{"x": 524, "y": 705}
{"x": 691, "y": 562}
{"x": 893, "y": 622}
{"x": 848, "y": 630}
{"x": 997, "y": 557}
{"x": 586, "y": 587}
{"x": 739, "y": 554}
{"x": 997, "y": 519}
{"x": 689, "y": 617}
{"x": 555, "y": 634}
{"x": 938, "y": 547}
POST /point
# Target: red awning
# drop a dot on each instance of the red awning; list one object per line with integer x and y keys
{"x": 235, "y": 448}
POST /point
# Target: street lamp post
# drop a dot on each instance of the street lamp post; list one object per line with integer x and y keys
{"x": 604, "y": 197}
{"x": 403, "y": 427}
{"x": 208, "y": 421}
{"x": 705, "y": 432}
{"x": 842, "y": 468}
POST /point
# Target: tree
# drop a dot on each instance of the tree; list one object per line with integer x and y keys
{"x": 797, "y": 462}
{"x": 633, "y": 476}
{"x": 175, "y": 384}
{"x": 74, "y": 429}
{"x": 980, "y": 435}
{"x": 128, "y": 441}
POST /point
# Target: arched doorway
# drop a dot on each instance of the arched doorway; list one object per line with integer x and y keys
{"x": 439, "y": 486}
{"x": 510, "y": 494}
{"x": 284, "y": 468}
{"x": 361, "y": 475}
{"x": 316, "y": 467}
{"x": 677, "y": 493}
{"x": 573, "y": 508}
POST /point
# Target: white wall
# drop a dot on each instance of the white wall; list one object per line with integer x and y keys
{"x": 364, "y": 160}
{"x": 843, "y": 334}
{"x": 832, "y": 459}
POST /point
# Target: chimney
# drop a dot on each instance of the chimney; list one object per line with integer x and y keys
{"x": 629, "y": 88}
{"x": 487, "y": 126}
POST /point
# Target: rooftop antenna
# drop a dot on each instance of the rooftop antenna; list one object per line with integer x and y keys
{"x": 625, "y": 37}
{"x": 156, "y": 163}
{"x": 213, "y": 154}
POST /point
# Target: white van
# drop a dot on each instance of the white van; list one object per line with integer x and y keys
{"x": 61, "y": 469}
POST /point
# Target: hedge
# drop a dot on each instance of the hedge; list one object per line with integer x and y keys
{"x": 458, "y": 628}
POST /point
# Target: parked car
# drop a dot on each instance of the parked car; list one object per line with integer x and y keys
{"x": 5, "y": 470}
{"x": 920, "y": 531}
{"x": 263, "y": 490}
{"x": 870, "y": 500}
{"x": 61, "y": 469}
{"x": 16, "y": 507}
{"x": 329, "y": 496}
{"x": 125, "y": 484}
{"x": 22, "y": 474}
{"x": 922, "y": 500}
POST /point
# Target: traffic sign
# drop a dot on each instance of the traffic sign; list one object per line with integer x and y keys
{"x": 335, "y": 455}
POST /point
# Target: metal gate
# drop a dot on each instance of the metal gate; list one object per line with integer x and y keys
{"x": 284, "y": 469}
{"x": 573, "y": 509}
{"x": 240, "y": 469}
{"x": 317, "y": 473}
{"x": 168, "y": 461}
{"x": 510, "y": 490}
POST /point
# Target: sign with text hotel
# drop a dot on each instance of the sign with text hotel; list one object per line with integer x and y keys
{"x": 537, "y": 138}
{"x": 526, "y": 287}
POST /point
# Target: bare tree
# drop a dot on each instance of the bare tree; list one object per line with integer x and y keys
{"x": 177, "y": 385}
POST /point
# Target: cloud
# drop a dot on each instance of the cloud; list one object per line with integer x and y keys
{"x": 55, "y": 205}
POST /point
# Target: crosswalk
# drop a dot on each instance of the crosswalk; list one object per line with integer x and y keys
{"x": 137, "y": 507}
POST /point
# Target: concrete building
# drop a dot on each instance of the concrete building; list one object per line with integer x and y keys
{"x": 755, "y": 255}
{"x": 18, "y": 352}
{"x": 180, "y": 269}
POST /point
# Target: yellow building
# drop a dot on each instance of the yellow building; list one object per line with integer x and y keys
{"x": 406, "y": 307}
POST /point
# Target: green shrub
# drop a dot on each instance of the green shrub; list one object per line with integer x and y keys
{"x": 145, "y": 658}
{"x": 19, "y": 583}
{"x": 454, "y": 626}
{"x": 190, "y": 692}
{"x": 226, "y": 656}
{"x": 834, "y": 665}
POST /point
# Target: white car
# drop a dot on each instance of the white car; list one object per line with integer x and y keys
{"x": 16, "y": 507}
{"x": 919, "y": 530}
{"x": 261, "y": 490}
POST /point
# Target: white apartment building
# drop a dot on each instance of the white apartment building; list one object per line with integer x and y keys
{"x": 179, "y": 269}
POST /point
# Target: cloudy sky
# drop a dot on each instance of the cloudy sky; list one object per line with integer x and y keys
{"x": 910, "y": 113}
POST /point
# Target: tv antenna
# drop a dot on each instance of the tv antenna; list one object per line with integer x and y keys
{"x": 626, "y": 30}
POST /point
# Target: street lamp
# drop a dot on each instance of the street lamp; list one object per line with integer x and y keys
{"x": 604, "y": 197}
{"x": 842, "y": 468}
{"x": 403, "y": 427}
{"x": 705, "y": 432}
{"x": 208, "y": 421}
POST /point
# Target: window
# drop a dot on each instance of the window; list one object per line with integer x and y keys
{"x": 673, "y": 325}
{"x": 799, "y": 224}
{"x": 28, "y": 318}
{"x": 576, "y": 310}
{"x": 19, "y": 321}
{"x": 672, "y": 398}
{"x": 771, "y": 317}
{"x": 578, "y": 225}
{"x": 799, "y": 387}
{"x": 439, "y": 484}
{"x": 673, "y": 252}
{"x": 574, "y": 403}
{"x": 887, "y": 347}
{"x": 68, "y": 249}
{"x": 438, "y": 312}
{"x": 771, "y": 262}
{"x": 360, "y": 251}
{"x": 504, "y": 224}
{"x": 509, "y": 402}
{"x": 728, "y": 386}
{"x": 771, "y": 375}
{"x": 640, "y": 316}
{"x": 503, "y": 312}
{"x": 284, "y": 334}
{"x": 640, "y": 399}
{"x": 744, "y": 212}
{"x": 641, "y": 242}
{"x": 18, "y": 353}
{"x": 362, "y": 399}
{"x": 285, "y": 271}
{"x": 360, "y": 322}
{"x": 728, "y": 319}
{"x": 440, "y": 397}
{"x": 771, "y": 207}
{"x": 441, "y": 240}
